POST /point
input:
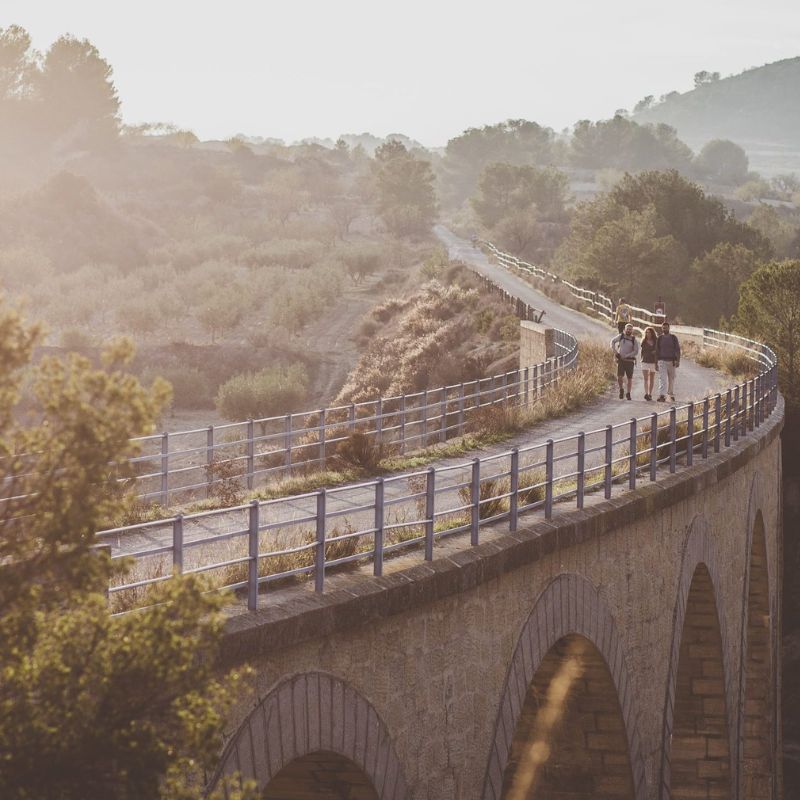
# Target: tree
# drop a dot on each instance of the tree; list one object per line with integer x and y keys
{"x": 651, "y": 227}
{"x": 79, "y": 100}
{"x": 18, "y": 71}
{"x": 515, "y": 141}
{"x": 781, "y": 230}
{"x": 703, "y": 77}
{"x": 406, "y": 197}
{"x": 723, "y": 161}
{"x": 716, "y": 277}
{"x": 623, "y": 144}
{"x": 91, "y": 705}
{"x": 769, "y": 311}
{"x": 644, "y": 104}
{"x": 221, "y": 312}
{"x": 504, "y": 189}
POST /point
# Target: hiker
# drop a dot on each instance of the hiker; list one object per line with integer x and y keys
{"x": 649, "y": 361}
{"x": 668, "y": 349}
{"x": 622, "y": 315}
{"x": 625, "y": 348}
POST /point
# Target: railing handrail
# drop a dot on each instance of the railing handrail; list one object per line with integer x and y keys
{"x": 708, "y": 425}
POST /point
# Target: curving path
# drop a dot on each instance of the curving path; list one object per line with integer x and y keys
{"x": 353, "y": 503}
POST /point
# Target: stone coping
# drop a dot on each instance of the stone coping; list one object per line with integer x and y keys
{"x": 362, "y": 599}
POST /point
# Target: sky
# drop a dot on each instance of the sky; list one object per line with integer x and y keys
{"x": 426, "y": 68}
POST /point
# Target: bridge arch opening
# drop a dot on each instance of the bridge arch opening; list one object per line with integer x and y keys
{"x": 756, "y": 734}
{"x": 322, "y": 775}
{"x": 570, "y": 740}
{"x": 700, "y": 748}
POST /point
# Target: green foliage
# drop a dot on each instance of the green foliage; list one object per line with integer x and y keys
{"x": 190, "y": 386}
{"x": 406, "y": 197}
{"x": 723, "y": 161}
{"x": 91, "y": 705}
{"x": 641, "y": 239}
{"x": 623, "y": 144}
{"x": 769, "y": 311}
{"x": 779, "y": 228}
{"x": 515, "y": 142}
{"x": 715, "y": 281}
{"x": 66, "y": 97}
{"x": 275, "y": 390}
{"x": 504, "y": 189}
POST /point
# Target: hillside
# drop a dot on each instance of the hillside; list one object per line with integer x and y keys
{"x": 759, "y": 109}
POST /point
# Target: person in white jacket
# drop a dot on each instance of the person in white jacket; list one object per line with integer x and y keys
{"x": 626, "y": 349}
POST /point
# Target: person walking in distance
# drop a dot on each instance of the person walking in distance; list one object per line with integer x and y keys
{"x": 622, "y": 316}
{"x": 668, "y": 349}
{"x": 649, "y": 361}
{"x": 625, "y": 347}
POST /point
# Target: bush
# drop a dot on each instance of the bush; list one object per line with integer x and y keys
{"x": 190, "y": 387}
{"x": 360, "y": 451}
{"x": 273, "y": 391}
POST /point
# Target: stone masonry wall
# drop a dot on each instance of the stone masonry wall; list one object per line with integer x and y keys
{"x": 536, "y": 343}
{"x": 437, "y": 655}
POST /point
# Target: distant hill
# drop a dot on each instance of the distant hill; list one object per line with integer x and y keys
{"x": 759, "y": 108}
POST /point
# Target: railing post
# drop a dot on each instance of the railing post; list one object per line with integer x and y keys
{"x": 322, "y": 426}
{"x": 718, "y": 418}
{"x": 728, "y": 399}
{"x": 351, "y": 418}
{"x": 607, "y": 474}
{"x": 736, "y": 414}
{"x": 536, "y": 381}
{"x": 251, "y": 453}
{"x": 759, "y": 402}
{"x": 377, "y": 559}
{"x": 752, "y": 395}
{"x": 443, "y": 415}
{"x": 430, "y": 510}
{"x": 252, "y": 564}
{"x": 653, "y": 445}
{"x": 379, "y": 421}
{"x": 402, "y": 424}
{"x": 177, "y": 544}
{"x": 581, "y": 468}
{"x": 548, "y": 487}
{"x": 632, "y": 447}
{"x": 525, "y": 386}
{"x": 165, "y": 469}
{"x": 690, "y": 435}
{"x": 209, "y": 459}
{"x": 287, "y": 441}
{"x": 705, "y": 428}
{"x": 673, "y": 432}
{"x": 424, "y": 425}
{"x": 475, "y": 499}
{"x": 461, "y": 410}
{"x": 319, "y": 555}
{"x": 513, "y": 498}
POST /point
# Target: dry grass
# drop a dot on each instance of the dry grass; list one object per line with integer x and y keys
{"x": 730, "y": 361}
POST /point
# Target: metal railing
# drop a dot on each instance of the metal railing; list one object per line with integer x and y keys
{"x": 264, "y": 543}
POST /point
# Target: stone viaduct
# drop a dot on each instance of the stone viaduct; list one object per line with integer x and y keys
{"x": 626, "y": 650}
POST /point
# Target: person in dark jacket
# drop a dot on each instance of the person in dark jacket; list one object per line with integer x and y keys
{"x": 669, "y": 359}
{"x": 649, "y": 361}
{"x": 625, "y": 348}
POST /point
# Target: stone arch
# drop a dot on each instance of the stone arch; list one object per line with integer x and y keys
{"x": 314, "y": 713}
{"x": 699, "y": 721}
{"x": 570, "y": 608}
{"x": 756, "y": 732}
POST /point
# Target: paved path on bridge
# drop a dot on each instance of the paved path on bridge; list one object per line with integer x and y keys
{"x": 354, "y": 503}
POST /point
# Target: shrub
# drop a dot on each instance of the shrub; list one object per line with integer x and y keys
{"x": 226, "y": 483}
{"x": 190, "y": 387}
{"x": 360, "y": 451}
{"x": 273, "y": 391}
{"x": 489, "y": 504}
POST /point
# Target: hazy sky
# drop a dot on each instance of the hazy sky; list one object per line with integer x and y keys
{"x": 427, "y": 69}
